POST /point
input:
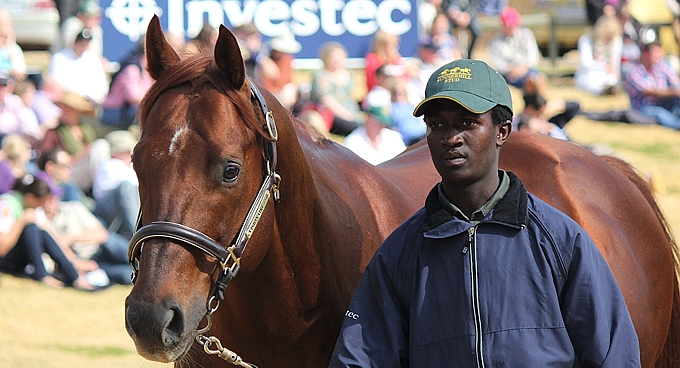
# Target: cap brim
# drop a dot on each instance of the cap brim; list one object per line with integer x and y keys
{"x": 472, "y": 103}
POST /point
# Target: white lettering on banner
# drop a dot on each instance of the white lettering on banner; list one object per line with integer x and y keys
{"x": 304, "y": 22}
{"x": 302, "y": 17}
{"x": 328, "y": 15}
{"x": 272, "y": 17}
{"x": 235, "y": 15}
{"x": 359, "y": 17}
{"x": 196, "y": 11}
{"x": 131, "y": 17}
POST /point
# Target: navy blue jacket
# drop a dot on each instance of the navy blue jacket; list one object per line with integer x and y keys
{"x": 526, "y": 287}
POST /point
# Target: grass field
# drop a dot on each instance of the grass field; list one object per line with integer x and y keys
{"x": 44, "y": 327}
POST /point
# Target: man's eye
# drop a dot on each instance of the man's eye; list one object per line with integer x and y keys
{"x": 434, "y": 124}
{"x": 468, "y": 123}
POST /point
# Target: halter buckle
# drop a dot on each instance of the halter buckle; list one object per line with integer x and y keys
{"x": 271, "y": 126}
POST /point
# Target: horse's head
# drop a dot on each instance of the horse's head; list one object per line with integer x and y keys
{"x": 205, "y": 150}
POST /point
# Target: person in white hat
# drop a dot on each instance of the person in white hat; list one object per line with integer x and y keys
{"x": 282, "y": 52}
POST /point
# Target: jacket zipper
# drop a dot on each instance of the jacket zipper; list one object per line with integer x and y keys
{"x": 474, "y": 281}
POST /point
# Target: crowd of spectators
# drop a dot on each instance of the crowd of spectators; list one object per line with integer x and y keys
{"x": 66, "y": 181}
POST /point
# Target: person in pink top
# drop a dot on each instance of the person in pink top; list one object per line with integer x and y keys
{"x": 127, "y": 88}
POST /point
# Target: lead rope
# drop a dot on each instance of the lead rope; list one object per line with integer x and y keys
{"x": 222, "y": 352}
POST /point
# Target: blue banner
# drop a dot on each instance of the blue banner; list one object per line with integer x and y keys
{"x": 313, "y": 22}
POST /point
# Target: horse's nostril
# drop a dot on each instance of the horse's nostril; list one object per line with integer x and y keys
{"x": 174, "y": 329}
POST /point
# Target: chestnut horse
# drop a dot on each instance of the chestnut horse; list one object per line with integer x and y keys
{"x": 231, "y": 185}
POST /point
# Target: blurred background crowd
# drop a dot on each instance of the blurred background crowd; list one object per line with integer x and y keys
{"x": 68, "y": 193}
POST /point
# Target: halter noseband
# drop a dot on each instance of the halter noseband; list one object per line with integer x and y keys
{"x": 230, "y": 257}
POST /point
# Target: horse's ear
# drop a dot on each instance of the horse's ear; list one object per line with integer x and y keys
{"x": 159, "y": 54}
{"x": 228, "y": 58}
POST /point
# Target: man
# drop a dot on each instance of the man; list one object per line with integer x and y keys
{"x": 514, "y": 53}
{"x": 115, "y": 187}
{"x": 57, "y": 164}
{"x": 486, "y": 274}
{"x": 653, "y": 87}
{"x": 374, "y": 141}
{"x": 77, "y": 69}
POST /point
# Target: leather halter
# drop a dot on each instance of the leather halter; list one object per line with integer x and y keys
{"x": 230, "y": 257}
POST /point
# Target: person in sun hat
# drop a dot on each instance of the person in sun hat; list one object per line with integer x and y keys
{"x": 77, "y": 137}
{"x": 374, "y": 141}
{"x": 486, "y": 274}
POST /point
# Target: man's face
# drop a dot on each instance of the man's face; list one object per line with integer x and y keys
{"x": 61, "y": 170}
{"x": 464, "y": 145}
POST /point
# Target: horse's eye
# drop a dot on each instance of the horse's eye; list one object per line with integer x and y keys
{"x": 230, "y": 173}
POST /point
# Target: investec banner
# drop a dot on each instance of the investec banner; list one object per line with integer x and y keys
{"x": 313, "y": 22}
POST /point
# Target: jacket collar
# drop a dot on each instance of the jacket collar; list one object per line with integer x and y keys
{"x": 510, "y": 210}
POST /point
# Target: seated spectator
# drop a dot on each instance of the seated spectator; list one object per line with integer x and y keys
{"x": 463, "y": 16}
{"x": 442, "y": 38}
{"x": 25, "y": 89}
{"x": 411, "y": 128}
{"x": 12, "y": 59}
{"x": 314, "y": 122}
{"x": 427, "y": 62}
{"x": 13, "y": 115}
{"x": 78, "y": 138}
{"x": 631, "y": 36}
{"x": 514, "y": 53}
{"x": 85, "y": 235}
{"x": 88, "y": 15}
{"x": 255, "y": 52}
{"x": 57, "y": 165}
{"x": 127, "y": 88}
{"x": 23, "y": 238}
{"x": 379, "y": 95}
{"x": 374, "y": 141}
{"x": 14, "y": 158}
{"x": 654, "y": 87}
{"x": 534, "y": 118}
{"x": 282, "y": 51}
{"x": 44, "y": 102}
{"x": 427, "y": 11}
{"x": 599, "y": 70}
{"x": 115, "y": 187}
{"x": 204, "y": 42}
{"x": 76, "y": 69}
{"x": 333, "y": 91}
{"x": 384, "y": 51}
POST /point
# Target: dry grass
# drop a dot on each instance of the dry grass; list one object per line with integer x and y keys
{"x": 44, "y": 327}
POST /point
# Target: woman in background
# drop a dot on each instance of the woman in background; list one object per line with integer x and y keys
{"x": 333, "y": 91}
{"x": 23, "y": 239}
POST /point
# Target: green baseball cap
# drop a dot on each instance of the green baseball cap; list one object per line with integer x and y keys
{"x": 471, "y": 83}
{"x": 381, "y": 113}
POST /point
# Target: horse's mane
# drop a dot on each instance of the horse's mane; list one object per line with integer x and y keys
{"x": 196, "y": 70}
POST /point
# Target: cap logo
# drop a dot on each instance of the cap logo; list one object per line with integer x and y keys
{"x": 454, "y": 75}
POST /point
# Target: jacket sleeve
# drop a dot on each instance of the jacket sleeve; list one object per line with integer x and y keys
{"x": 595, "y": 313}
{"x": 374, "y": 331}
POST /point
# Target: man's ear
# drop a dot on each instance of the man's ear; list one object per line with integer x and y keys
{"x": 503, "y": 132}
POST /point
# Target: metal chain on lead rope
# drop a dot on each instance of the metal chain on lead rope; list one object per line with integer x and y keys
{"x": 219, "y": 350}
